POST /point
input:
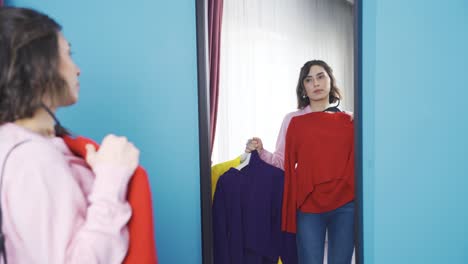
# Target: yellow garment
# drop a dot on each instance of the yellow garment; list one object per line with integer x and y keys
{"x": 219, "y": 169}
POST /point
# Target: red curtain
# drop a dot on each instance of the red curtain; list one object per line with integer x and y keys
{"x": 215, "y": 13}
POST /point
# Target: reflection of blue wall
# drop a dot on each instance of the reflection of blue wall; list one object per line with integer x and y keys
{"x": 138, "y": 62}
{"x": 415, "y": 61}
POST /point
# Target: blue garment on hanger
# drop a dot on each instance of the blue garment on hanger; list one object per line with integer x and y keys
{"x": 247, "y": 216}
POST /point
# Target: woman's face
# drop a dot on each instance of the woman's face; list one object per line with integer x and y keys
{"x": 317, "y": 84}
{"x": 69, "y": 71}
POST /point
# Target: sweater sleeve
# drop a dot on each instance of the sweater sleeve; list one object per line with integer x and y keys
{"x": 277, "y": 158}
{"x": 288, "y": 222}
{"x": 48, "y": 219}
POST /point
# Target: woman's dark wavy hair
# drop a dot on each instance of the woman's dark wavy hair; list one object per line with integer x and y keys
{"x": 335, "y": 94}
{"x": 29, "y": 63}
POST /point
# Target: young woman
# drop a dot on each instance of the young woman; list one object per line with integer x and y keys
{"x": 315, "y": 147}
{"x": 56, "y": 207}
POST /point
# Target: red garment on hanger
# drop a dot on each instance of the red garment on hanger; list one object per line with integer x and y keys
{"x": 142, "y": 246}
{"x": 318, "y": 165}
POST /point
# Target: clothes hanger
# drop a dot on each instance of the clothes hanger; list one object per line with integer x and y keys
{"x": 333, "y": 109}
{"x": 245, "y": 158}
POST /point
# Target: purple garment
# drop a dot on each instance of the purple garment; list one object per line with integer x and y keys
{"x": 247, "y": 216}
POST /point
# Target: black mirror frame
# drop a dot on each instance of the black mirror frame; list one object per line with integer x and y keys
{"x": 204, "y": 131}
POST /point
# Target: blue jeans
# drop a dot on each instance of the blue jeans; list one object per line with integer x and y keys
{"x": 310, "y": 237}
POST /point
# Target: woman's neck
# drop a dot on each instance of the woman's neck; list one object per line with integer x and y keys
{"x": 41, "y": 123}
{"x": 319, "y": 106}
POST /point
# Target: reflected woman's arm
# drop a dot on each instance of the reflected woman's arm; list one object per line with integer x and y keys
{"x": 277, "y": 157}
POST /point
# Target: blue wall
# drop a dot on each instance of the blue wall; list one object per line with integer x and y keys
{"x": 139, "y": 79}
{"x": 415, "y": 62}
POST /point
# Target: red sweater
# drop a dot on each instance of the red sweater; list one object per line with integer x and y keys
{"x": 319, "y": 165}
{"x": 142, "y": 247}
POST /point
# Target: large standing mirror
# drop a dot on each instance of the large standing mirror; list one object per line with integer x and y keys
{"x": 250, "y": 55}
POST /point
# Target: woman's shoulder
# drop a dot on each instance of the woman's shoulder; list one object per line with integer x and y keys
{"x": 34, "y": 160}
{"x": 28, "y": 147}
{"x": 289, "y": 116}
{"x": 292, "y": 114}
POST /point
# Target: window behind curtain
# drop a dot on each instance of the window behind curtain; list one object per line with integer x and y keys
{"x": 264, "y": 44}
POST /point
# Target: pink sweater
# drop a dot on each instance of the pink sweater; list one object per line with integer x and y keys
{"x": 55, "y": 209}
{"x": 277, "y": 158}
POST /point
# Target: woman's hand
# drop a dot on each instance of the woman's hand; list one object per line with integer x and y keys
{"x": 254, "y": 143}
{"x": 114, "y": 151}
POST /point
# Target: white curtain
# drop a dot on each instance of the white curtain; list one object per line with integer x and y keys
{"x": 264, "y": 43}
